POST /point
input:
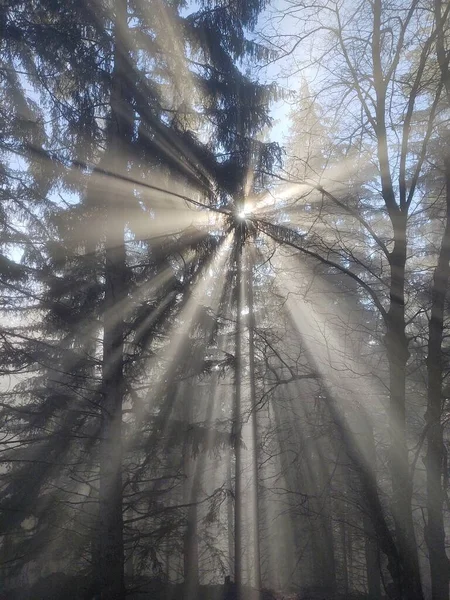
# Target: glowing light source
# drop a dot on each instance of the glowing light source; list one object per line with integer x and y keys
{"x": 244, "y": 211}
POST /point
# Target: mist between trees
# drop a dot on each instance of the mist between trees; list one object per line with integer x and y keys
{"x": 224, "y": 349}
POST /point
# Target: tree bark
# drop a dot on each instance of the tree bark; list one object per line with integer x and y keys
{"x": 371, "y": 544}
{"x": 111, "y": 559}
{"x": 409, "y": 585}
{"x": 191, "y": 486}
{"x": 434, "y": 461}
{"x": 251, "y": 357}
{"x": 238, "y": 422}
{"x": 191, "y": 570}
{"x": 230, "y": 512}
{"x": 435, "y": 532}
{"x": 325, "y": 559}
{"x": 342, "y": 527}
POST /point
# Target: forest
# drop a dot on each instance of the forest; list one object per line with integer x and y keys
{"x": 225, "y": 326}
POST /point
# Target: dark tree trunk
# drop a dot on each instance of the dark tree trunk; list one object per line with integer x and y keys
{"x": 238, "y": 422}
{"x": 372, "y": 555}
{"x": 434, "y": 462}
{"x": 342, "y": 527}
{"x": 111, "y": 520}
{"x": 371, "y": 545}
{"x": 230, "y": 511}
{"x": 192, "y": 476}
{"x": 408, "y": 586}
{"x": 251, "y": 357}
{"x": 191, "y": 571}
{"x": 322, "y": 545}
{"x": 435, "y": 532}
{"x": 111, "y": 560}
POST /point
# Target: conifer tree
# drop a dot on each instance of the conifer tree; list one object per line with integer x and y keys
{"x": 109, "y": 123}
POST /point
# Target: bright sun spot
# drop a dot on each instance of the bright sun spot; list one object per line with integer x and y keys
{"x": 245, "y": 211}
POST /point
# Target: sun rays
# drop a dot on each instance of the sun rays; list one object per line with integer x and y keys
{"x": 235, "y": 375}
{"x": 242, "y": 355}
{"x": 247, "y": 382}
{"x": 166, "y": 216}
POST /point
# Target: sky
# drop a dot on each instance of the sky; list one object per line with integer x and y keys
{"x": 285, "y": 70}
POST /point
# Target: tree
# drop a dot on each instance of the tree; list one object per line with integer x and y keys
{"x": 435, "y": 530}
{"x": 364, "y": 69}
{"x": 107, "y": 114}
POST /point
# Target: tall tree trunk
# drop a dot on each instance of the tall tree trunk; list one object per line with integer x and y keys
{"x": 342, "y": 527}
{"x": 191, "y": 485}
{"x": 434, "y": 461}
{"x": 254, "y": 422}
{"x": 435, "y": 532}
{"x": 409, "y": 585}
{"x": 238, "y": 421}
{"x": 372, "y": 555}
{"x": 318, "y": 490}
{"x": 111, "y": 519}
{"x": 230, "y": 512}
{"x": 92, "y": 346}
{"x": 350, "y": 557}
{"x": 325, "y": 559}
{"x": 191, "y": 570}
{"x": 111, "y": 565}
{"x": 371, "y": 545}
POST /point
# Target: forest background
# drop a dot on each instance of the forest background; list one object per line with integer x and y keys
{"x": 224, "y": 265}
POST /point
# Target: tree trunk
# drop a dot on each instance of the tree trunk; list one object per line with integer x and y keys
{"x": 111, "y": 520}
{"x": 317, "y": 487}
{"x": 111, "y": 565}
{"x": 435, "y": 532}
{"x": 251, "y": 357}
{"x": 230, "y": 537}
{"x": 372, "y": 555}
{"x": 191, "y": 485}
{"x": 342, "y": 527}
{"x": 238, "y": 422}
{"x": 371, "y": 545}
{"x": 434, "y": 461}
{"x": 325, "y": 542}
{"x": 408, "y": 586}
{"x": 191, "y": 571}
